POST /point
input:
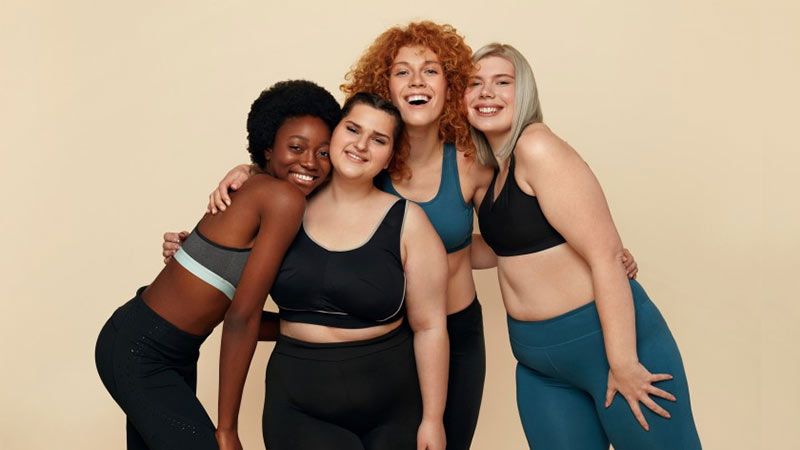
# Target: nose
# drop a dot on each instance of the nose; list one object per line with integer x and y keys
{"x": 486, "y": 90}
{"x": 309, "y": 160}
{"x": 416, "y": 80}
{"x": 361, "y": 143}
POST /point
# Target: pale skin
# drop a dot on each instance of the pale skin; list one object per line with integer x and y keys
{"x": 343, "y": 214}
{"x": 339, "y": 217}
{"x": 545, "y": 284}
{"x": 415, "y": 70}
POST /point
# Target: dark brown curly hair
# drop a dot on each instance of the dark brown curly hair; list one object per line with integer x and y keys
{"x": 371, "y": 74}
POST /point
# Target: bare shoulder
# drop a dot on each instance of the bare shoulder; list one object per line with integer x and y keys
{"x": 415, "y": 219}
{"x": 538, "y": 145}
{"x": 273, "y": 194}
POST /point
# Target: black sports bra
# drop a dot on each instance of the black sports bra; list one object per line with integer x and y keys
{"x": 513, "y": 223}
{"x": 357, "y": 288}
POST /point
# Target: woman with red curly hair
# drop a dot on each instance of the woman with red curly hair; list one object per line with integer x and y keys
{"x": 424, "y": 69}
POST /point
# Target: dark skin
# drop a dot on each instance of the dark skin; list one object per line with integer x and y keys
{"x": 266, "y": 217}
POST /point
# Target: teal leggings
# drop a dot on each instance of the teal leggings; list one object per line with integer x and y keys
{"x": 562, "y": 378}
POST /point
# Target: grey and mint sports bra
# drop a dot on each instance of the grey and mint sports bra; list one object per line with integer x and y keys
{"x": 213, "y": 263}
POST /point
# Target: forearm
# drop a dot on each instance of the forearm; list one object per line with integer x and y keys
{"x": 269, "y": 328}
{"x": 432, "y": 354}
{"x": 482, "y": 256}
{"x": 616, "y": 311}
{"x": 239, "y": 337}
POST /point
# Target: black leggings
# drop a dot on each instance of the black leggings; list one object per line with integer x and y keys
{"x": 150, "y": 369}
{"x": 467, "y": 374}
{"x": 359, "y": 395}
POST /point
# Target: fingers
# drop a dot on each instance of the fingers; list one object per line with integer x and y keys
{"x": 637, "y": 413}
{"x": 656, "y": 377}
{"x": 655, "y": 407}
{"x": 222, "y": 190}
{"x": 661, "y": 393}
{"x": 610, "y": 392}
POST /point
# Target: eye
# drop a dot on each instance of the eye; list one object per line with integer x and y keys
{"x": 351, "y": 129}
{"x": 431, "y": 71}
{"x": 473, "y": 83}
{"x": 380, "y": 141}
{"x": 324, "y": 154}
{"x": 296, "y": 148}
{"x": 401, "y": 72}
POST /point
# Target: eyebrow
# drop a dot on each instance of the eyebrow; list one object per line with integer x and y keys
{"x": 424, "y": 63}
{"x": 373, "y": 131}
{"x": 494, "y": 76}
{"x": 297, "y": 136}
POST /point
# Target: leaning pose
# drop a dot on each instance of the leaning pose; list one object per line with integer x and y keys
{"x": 147, "y": 352}
{"x": 546, "y": 220}
{"x": 424, "y": 68}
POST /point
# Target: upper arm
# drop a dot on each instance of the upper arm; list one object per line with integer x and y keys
{"x": 425, "y": 266}
{"x": 281, "y": 208}
{"x": 569, "y": 194}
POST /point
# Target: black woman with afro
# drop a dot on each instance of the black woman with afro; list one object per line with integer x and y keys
{"x": 147, "y": 352}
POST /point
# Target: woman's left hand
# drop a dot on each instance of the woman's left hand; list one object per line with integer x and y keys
{"x": 430, "y": 435}
{"x": 635, "y": 383}
{"x": 631, "y": 268}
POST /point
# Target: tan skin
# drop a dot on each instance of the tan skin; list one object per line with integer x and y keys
{"x": 545, "y": 284}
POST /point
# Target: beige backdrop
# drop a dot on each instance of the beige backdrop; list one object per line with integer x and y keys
{"x": 117, "y": 117}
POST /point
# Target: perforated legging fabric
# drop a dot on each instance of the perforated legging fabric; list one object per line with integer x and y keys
{"x": 150, "y": 369}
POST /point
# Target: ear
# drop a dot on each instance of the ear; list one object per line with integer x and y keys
{"x": 268, "y": 154}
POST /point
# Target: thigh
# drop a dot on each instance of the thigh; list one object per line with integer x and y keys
{"x": 165, "y": 411}
{"x": 465, "y": 386}
{"x": 288, "y": 426}
{"x": 135, "y": 440}
{"x": 556, "y": 415}
{"x": 659, "y": 353}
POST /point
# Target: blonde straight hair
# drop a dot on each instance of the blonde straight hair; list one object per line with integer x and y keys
{"x": 527, "y": 111}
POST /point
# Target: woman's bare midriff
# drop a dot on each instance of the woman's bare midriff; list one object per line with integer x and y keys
{"x": 545, "y": 284}
{"x": 321, "y": 334}
{"x": 460, "y": 284}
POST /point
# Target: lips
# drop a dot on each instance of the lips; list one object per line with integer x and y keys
{"x": 487, "y": 110}
{"x": 418, "y": 99}
{"x": 354, "y": 157}
{"x": 303, "y": 178}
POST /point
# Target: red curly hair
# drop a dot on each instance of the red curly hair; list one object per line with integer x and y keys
{"x": 371, "y": 74}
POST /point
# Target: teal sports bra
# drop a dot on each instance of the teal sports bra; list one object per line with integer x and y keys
{"x": 450, "y": 215}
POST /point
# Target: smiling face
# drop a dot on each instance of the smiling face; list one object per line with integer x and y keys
{"x": 362, "y": 144}
{"x": 417, "y": 85}
{"x": 300, "y": 154}
{"x": 490, "y": 96}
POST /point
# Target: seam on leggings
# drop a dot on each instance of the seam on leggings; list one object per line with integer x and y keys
{"x": 556, "y": 345}
{"x": 552, "y": 364}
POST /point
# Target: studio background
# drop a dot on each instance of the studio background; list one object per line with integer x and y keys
{"x": 117, "y": 118}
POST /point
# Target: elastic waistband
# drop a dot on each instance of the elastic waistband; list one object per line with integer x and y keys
{"x": 467, "y": 315}
{"x": 136, "y": 318}
{"x": 572, "y": 325}
{"x": 338, "y": 351}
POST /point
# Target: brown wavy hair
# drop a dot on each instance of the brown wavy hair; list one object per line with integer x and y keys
{"x": 371, "y": 74}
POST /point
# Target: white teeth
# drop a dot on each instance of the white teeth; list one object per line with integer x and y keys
{"x": 488, "y": 109}
{"x": 302, "y": 177}
{"x": 418, "y": 99}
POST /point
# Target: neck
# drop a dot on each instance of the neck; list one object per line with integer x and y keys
{"x": 350, "y": 190}
{"x": 424, "y": 144}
